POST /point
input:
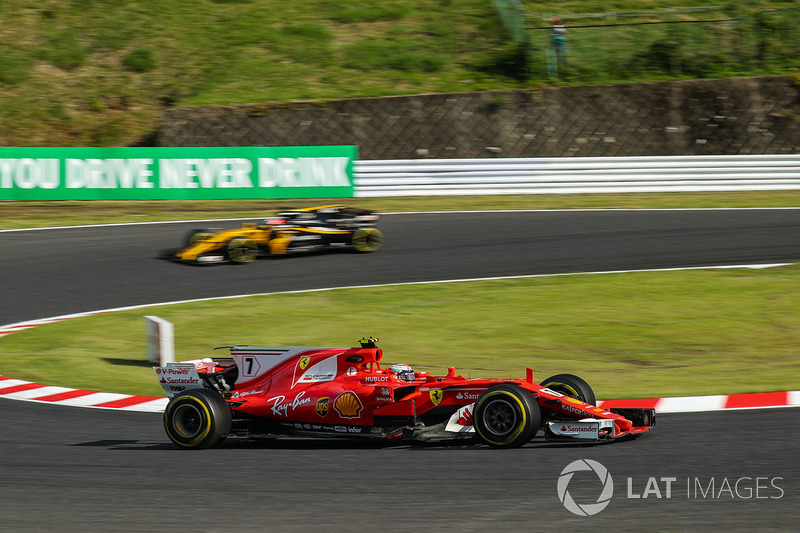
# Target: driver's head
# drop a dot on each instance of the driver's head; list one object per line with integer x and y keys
{"x": 403, "y": 371}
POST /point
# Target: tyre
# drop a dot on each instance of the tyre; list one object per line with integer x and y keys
{"x": 242, "y": 250}
{"x": 197, "y": 235}
{"x": 572, "y": 386}
{"x": 506, "y": 416}
{"x": 367, "y": 240}
{"x": 197, "y": 419}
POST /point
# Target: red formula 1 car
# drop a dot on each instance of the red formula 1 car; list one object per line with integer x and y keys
{"x": 328, "y": 392}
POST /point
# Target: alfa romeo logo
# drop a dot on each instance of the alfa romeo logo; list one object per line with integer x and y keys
{"x": 584, "y": 465}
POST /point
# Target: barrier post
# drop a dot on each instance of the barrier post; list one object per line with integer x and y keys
{"x": 160, "y": 340}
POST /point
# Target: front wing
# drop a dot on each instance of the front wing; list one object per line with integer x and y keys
{"x": 590, "y": 429}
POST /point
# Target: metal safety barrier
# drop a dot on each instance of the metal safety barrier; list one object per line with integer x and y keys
{"x": 441, "y": 177}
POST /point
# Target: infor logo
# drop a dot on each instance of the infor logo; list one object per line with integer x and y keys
{"x": 588, "y": 509}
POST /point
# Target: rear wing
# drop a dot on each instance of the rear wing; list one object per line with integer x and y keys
{"x": 178, "y": 377}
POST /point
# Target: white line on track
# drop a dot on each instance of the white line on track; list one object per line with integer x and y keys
{"x": 93, "y": 399}
{"x": 22, "y": 325}
{"x": 396, "y": 213}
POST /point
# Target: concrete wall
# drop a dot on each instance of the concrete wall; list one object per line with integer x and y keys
{"x": 694, "y": 117}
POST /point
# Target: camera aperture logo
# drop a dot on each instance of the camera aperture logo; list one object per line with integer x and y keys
{"x": 664, "y": 487}
{"x": 587, "y": 509}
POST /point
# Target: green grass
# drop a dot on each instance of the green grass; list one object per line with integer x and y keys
{"x": 630, "y": 335}
{"x": 43, "y": 214}
{"x": 69, "y": 79}
{"x": 129, "y": 60}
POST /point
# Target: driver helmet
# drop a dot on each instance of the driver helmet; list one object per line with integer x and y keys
{"x": 403, "y": 371}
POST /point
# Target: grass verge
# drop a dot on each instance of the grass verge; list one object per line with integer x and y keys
{"x": 630, "y": 335}
{"x": 69, "y": 79}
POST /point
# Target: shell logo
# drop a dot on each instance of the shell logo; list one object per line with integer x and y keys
{"x": 348, "y": 405}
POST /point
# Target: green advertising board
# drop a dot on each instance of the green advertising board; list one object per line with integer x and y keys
{"x": 245, "y": 172}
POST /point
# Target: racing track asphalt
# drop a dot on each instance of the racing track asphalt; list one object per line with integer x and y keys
{"x": 73, "y": 469}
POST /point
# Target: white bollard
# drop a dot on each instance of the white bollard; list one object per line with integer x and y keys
{"x": 160, "y": 340}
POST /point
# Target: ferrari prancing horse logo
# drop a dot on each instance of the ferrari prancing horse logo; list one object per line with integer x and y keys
{"x": 436, "y": 396}
{"x": 304, "y": 362}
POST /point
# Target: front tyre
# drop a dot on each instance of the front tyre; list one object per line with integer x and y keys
{"x": 572, "y": 386}
{"x": 506, "y": 416}
{"x": 367, "y": 240}
{"x": 242, "y": 250}
{"x": 197, "y": 419}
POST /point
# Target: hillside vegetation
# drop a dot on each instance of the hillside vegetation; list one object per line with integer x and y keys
{"x": 101, "y": 72}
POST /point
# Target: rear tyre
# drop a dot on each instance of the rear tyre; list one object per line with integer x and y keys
{"x": 367, "y": 240}
{"x": 506, "y": 416}
{"x": 197, "y": 419}
{"x": 572, "y": 386}
{"x": 197, "y": 235}
{"x": 242, "y": 250}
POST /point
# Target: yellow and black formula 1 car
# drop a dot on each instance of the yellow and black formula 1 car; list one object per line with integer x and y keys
{"x": 292, "y": 230}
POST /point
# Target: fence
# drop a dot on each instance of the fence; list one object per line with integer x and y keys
{"x": 576, "y": 175}
{"x": 701, "y": 43}
{"x": 512, "y": 14}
